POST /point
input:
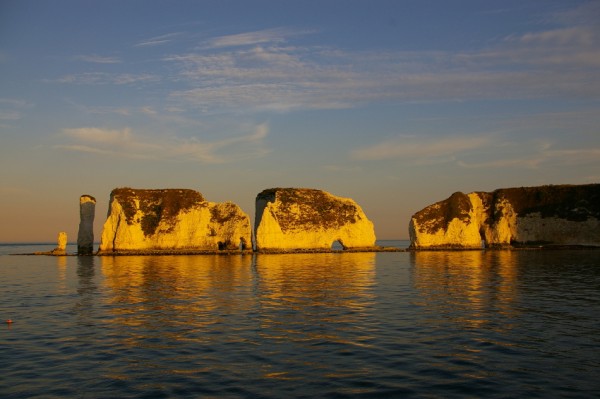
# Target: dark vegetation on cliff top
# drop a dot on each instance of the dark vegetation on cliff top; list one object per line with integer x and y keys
{"x": 316, "y": 208}
{"x": 225, "y": 213}
{"x": 571, "y": 202}
{"x": 156, "y": 205}
{"x": 440, "y": 214}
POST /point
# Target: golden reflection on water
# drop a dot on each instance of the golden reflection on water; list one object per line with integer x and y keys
{"x": 61, "y": 268}
{"x": 467, "y": 286}
{"x": 160, "y": 288}
{"x": 315, "y": 297}
{"x": 324, "y": 279}
{"x": 277, "y": 297}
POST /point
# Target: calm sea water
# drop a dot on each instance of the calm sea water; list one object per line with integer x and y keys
{"x": 424, "y": 325}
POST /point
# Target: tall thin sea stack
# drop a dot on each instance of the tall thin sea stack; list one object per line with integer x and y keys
{"x": 85, "y": 236}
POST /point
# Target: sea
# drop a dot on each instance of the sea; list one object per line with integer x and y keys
{"x": 430, "y": 324}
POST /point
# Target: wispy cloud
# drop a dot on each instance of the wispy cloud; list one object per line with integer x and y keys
{"x": 124, "y": 143}
{"x": 104, "y": 78}
{"x": 266, "y": 70}
{"x": 540, "y": 157}
{"x": 261, "y": 37}
{"x": 12, "y": 109}
{"x": 422, "y": 148}
{"x": 97, "y": 59}
{"x": 158, "y": 40}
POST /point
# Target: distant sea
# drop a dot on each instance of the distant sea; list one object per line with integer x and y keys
{"x": 441, "y": 324}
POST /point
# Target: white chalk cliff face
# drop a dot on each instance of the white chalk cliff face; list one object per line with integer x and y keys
{"x": 172, "y": 219}
{"x": 550, "y": 215}
{"x": 61, "y": 245}
{"x": 294, "y": 218}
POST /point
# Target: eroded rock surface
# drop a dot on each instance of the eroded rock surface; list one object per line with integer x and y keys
{"x": 545, "y": 215}
{"x": 85, "y": 235}
{"x": 172, "y": 219}
{"x": 298, "y": 218}
{"x": 61, "y": 244}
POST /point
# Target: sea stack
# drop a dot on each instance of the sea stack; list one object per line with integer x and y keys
{"x": 561, "y": 215}
{"x": 85, "y": 236}
{"x": 176, "y": 220}
{"x": 61, "y": 245}
{"x": 309, "y": 219}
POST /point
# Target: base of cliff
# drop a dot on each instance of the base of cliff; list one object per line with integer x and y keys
{"x": 514, "y": 247}
{"x": 329, "y": 251}
{"x": 246, "y": 252}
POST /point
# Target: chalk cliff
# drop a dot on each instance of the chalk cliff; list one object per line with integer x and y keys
{"x": 172, "y": 219}
{"x": 85, "y": 234}
{"x": 299, "y": 218}
{"x": 545, "y": 215}
{"x": 61, "y": 245}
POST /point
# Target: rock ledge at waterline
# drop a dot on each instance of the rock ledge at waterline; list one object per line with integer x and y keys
{"x": 172, "y": 220}
{"x": 561, "y": 215}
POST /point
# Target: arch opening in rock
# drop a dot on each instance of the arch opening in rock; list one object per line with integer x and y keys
{"x": 338, "y": 245}
{"x": 482, "y": 236}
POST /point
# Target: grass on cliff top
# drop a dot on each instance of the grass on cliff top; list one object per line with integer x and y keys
{"x": 156, "y": 205}
{"x": 571, "y": 202}
{"x": 316, "y": 208}
{"x": 439, "y": 215}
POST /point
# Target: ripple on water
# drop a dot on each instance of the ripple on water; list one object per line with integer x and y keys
{"x": 447, "y": 324}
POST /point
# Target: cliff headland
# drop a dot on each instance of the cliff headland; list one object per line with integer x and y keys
{"x": 544, "y": 216}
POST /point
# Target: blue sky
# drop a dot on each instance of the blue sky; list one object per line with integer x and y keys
{"x": 396, "y": 104}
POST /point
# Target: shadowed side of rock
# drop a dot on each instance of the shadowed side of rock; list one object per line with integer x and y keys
{"x": 85, "y": 235}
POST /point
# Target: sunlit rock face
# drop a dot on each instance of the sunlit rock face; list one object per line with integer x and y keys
{"x": 299, "y": 218}
{"x": 545, "y": 215}
{"x": 172, "y": 219}
{"x": 61, "y": 244}
{"x": 85, "y": 234}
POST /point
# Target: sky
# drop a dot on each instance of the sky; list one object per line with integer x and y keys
{"x": 395, "y": 104}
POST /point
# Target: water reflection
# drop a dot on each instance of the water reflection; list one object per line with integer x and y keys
{"x": 468, "y": 287}
{"x": 213, "y": 300}
{"x": 86, "y": 289}
{"x": 315, "y": 298}
{"x": 61, "y": 268}
{"x": 176, "y": 290}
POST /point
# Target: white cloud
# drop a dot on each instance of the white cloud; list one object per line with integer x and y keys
{"x": 148, "y": 110}
{"x": 10, "y": 115}
{"x": 104, "y": 78}
{"x": 423, "y": 149}
{"x": 263, "y": 70}
{"x": 276, "y": 35}
{"x": 97, "y": 135}
{"x": 494, "y": 150}
{"x": 266, "y": 70}
{"x": 536, "y": 154}
{"x": 97, "y": 59}
{"x": 158, "y": 40}
{"x": 11, "y": 109}
{"x": 124, "y": 143}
